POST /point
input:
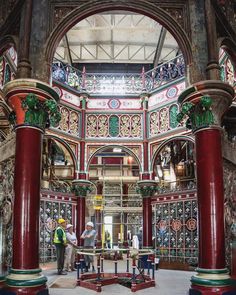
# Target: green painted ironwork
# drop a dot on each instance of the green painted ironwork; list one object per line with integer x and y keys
{"x": 173, "y": 116}
{"x": 146, "y": 190}
{"x": 81, "y": 190}
{"x": 199, "y": 115}
{"x": 214, "y": 283}
{"x": 176, "y": 234}
{"x": 27, "y": 283}
{"x": 25, "y": 271}
{"x": 113, "y": 126}
{"x": 40, "y": 114}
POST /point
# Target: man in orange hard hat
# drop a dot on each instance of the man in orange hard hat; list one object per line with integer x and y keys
{"x": 60, "y": 243}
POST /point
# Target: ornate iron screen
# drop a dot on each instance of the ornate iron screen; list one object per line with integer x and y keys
{"x": 176, "y": 231}
{"x": 50, "y": 211}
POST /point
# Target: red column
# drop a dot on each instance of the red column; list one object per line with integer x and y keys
{"x": 27, "y": 198}
{"x": 80, "y": 219}
{"x": 34, "y": 104}
{"x": 204, "y": 104}
{"x": 80, "y": 187}
{"x": 147, "y": 188}
{"x": 210, "y": 199}
{"x": 147, "y": 222}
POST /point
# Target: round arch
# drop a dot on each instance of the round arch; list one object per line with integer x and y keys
{"x": 138, "y": 6}
{"x": 229, "y": 46}
{"x": 114, "y": 146}
{"x": 7, "y": 42}
{"x": 66, "y": 145}
{"x": 183, "y": 137}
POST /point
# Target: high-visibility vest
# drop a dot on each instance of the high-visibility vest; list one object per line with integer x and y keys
{"x": 56, "y": 240}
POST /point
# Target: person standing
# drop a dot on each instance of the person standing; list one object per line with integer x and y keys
{"x": 89, "y": 241}
{"x": 70, "y": 249}
{"x": 61, "y": 244}
{"x": 108, "y": 239}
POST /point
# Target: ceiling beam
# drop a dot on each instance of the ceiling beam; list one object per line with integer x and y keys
{"x": 160, "y": 44}
{"x": 95, "y": 42}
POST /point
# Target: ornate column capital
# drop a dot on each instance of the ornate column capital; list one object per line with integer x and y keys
{"x": 147, "y": 188}
{"x": 144, "y": 96}
{"x": 204, "y": 104}
{"x": 80, "y": 187}
{"x": 34, "y": 103}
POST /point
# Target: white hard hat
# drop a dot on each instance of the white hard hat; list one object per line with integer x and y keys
{"x": 69, "y": 225}
{"x": 90, "y": 224}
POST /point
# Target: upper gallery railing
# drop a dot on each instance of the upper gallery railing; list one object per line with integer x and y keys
{"x": 118, "y": 83}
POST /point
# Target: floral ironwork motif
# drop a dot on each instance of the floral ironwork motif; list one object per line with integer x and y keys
{"x": 119, "y": 84}
{"x": 199, "y": 115}
{"x": 146, "y": 188}
{"x": 114, "y": 126}
{"x": 41, "y": 114}
{"x": 6, "y": 208}
{"x": 123, "y": 126}
{"x": 176, "y": 234}
{"x": 50, "y": 211}
{"x": 69, "y": 121}
{"x": 173, "y": 111}
{"x": 164, "y": 120}
{"x": 81, "y": 190}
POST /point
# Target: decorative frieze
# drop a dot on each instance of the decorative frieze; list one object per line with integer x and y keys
{"x": 111, "y": 125}
{"x": 163, "y": 119}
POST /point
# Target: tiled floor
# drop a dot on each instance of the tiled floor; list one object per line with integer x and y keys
{"x": 168, "y": 282}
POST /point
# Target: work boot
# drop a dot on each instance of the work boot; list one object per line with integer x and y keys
{"x": 62, "y": 273}
{"x": 86, "y": 269}
{"x": 93, "y": 269}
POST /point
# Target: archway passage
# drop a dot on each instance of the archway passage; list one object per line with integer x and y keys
{"x": 115, "y": 171}
{"x": 138, "y": 7}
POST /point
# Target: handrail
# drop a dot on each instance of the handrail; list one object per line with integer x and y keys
{"x": 119, "y": 83}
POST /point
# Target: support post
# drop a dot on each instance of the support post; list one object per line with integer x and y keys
{"x": 34, "y": 107}
{"x": 204, "y": 103}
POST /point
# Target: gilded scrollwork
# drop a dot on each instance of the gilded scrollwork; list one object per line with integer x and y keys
{"x": 125, "y": 126}
{"x": 136, "y": 126}
{"x": 103, "y": 126}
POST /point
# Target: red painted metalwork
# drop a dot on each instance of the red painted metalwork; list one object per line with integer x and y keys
{"x": 98, "y": 218}
{"x": 147, "y": 222}
{"x": 27, "y": 198}
{"x": 82, "y": 156}
{"x": 80, "y": 224}
{"x": 211, "y": 199}
{"x": 211, "y": 290}
{"x": 28, "y": 290}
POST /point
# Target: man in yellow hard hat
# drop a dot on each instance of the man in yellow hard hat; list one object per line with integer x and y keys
{"x": 60, "y": 243}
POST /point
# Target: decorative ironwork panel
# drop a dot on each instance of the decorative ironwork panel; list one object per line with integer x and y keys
{"x": 119, "y": 84}
{"x": 176, "y": 231}
{"x": 50, "y": 211}
{"x": 163, "y": 119}
{"x": 229, "y": 208}
{"x": 121, "y": 126}
{"x": 69, "y": 121}
{"x": 173, "y": 111}
{"x": 6, "y": 209}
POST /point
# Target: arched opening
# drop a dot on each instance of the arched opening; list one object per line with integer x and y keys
{"x": 148, "y": 9}
{"x": 58, "y": 165}
{"x": 114, "y": 170}
{"x": 174, "y": 165}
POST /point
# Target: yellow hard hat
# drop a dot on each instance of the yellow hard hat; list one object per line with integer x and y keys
{"x": 61, "y": 220}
